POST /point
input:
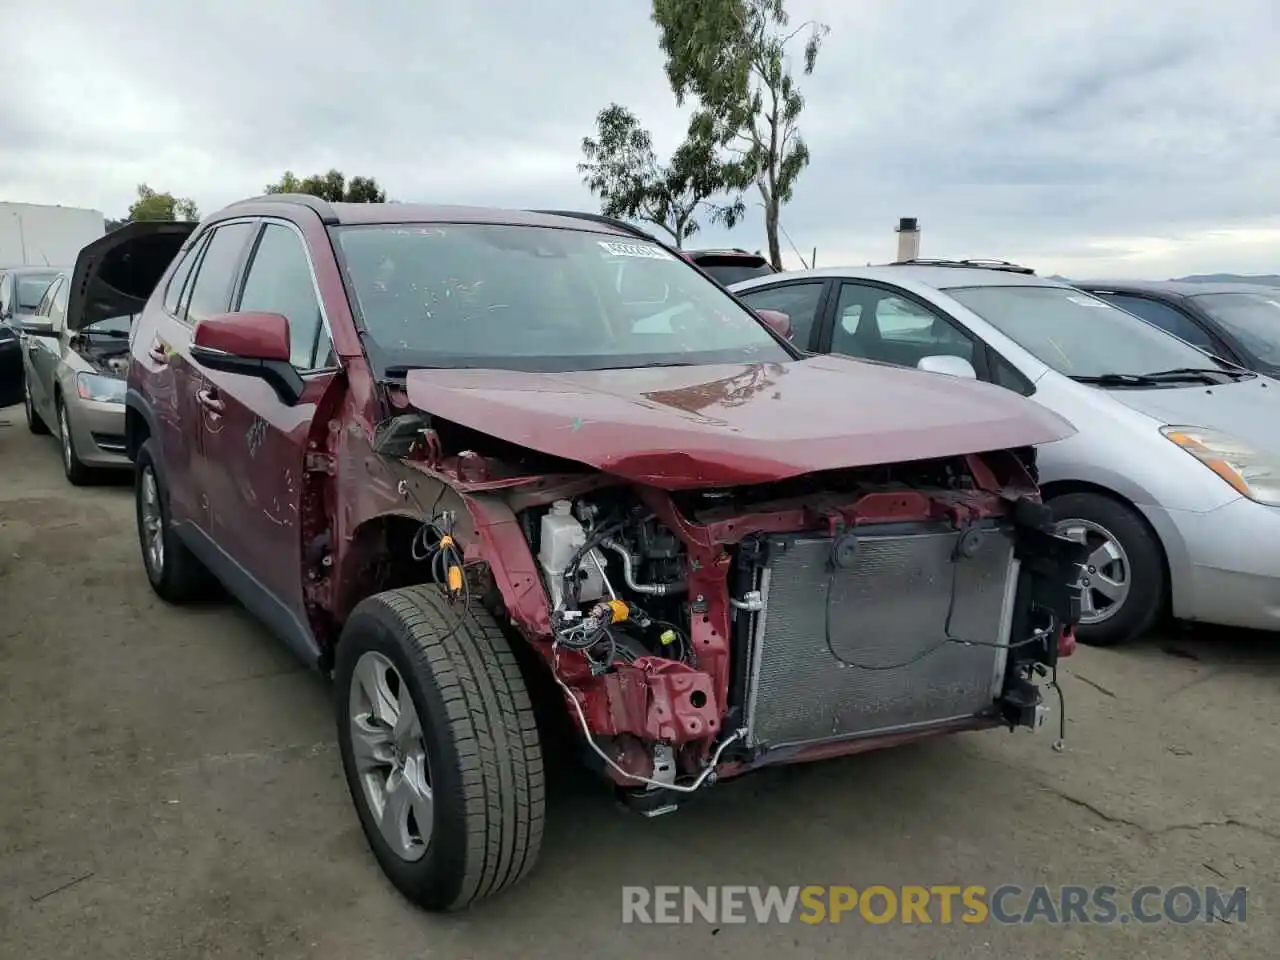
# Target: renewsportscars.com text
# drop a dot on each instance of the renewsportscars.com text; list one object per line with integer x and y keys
{"x": 943, "y": 904}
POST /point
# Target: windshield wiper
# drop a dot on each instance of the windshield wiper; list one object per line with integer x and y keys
{"x": 655, "y": 363}
{"x": 1118, "y": 380}
{"x": 1196, "y": 375}
{"x": 398, "y": 371}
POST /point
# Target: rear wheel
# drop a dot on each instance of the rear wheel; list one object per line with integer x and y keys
{"x": 439, "y": 746}
{"x": 173, "y": 571}
{"x": 34, "y": 423}
{"x": 1124, "y": 579}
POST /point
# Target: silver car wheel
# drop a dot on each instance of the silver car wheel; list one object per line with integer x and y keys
{"x": 1106, "y": 576}
{"x": 64, "y": 428}
{"x": 152, "y": 521}
{"x": 390, "y": 756}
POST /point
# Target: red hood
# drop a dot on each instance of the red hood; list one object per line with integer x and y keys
{"x": 709, "y": 426}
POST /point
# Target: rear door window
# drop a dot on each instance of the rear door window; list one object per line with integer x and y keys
{"x": 211, "y": 291}
{"x": 178, "y": 281}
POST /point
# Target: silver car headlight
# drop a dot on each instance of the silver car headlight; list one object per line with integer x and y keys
{"x": 1251, "y": 472}
{"x": 91, "y": 386}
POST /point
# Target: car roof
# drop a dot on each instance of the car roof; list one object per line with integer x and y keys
{"x": 939, "y": 278}
{"x": 340, "y": 214}
{"x": 1179, "y": 288}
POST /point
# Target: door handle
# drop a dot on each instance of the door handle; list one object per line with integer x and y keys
{"x": 209, "y": 400}
{"x": 158, "y": 353}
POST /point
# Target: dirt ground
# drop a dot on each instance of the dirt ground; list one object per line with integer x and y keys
{"x": 170, "y": 787}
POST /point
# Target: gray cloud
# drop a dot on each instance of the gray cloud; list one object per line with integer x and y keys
{"x": 1087, "y": 133}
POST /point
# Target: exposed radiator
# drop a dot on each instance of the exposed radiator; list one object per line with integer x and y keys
{"x": 850, "y": 651}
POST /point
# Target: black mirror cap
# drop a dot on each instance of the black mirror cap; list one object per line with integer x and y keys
{"x": 280, "y": 376}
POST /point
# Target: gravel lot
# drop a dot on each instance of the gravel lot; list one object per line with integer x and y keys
{"x": 170, "y": 787}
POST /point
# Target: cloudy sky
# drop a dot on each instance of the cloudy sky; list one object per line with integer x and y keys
{"x": 1092, "y": 137}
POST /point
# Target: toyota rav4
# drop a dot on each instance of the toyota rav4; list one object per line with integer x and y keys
{"x": 474, "y": 462}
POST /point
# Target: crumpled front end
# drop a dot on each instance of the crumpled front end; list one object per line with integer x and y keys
{"x": 705, "y": 633}
{"x": 694, "y": 634}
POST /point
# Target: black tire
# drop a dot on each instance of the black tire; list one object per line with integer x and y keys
{"x": 77, "y": 473}
{"x": 34, "y": 423}
{"x": 480, "y": 738}
{"x": 179, "y": 576}
{"x": 1147, "y": 598}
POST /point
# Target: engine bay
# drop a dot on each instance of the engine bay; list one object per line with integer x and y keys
{"x": 107, "y": 352}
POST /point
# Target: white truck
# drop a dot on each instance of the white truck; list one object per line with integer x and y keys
{"x": 36, "y": 234}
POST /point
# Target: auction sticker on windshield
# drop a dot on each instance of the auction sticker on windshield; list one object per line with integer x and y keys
{"x": 1088, "y": 302}
{"x": 645, "y": 251}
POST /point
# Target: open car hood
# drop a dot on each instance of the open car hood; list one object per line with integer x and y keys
{"x": 706, "y": 426}
{"x": 114, "y": 275}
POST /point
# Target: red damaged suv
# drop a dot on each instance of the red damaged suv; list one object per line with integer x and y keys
{"x": 474, "y": 463}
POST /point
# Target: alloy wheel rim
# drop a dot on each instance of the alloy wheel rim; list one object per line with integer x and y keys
{"x": 152, "y": 521}
{"x": 390, "y": 756}
{"x": 1106, "y": 575}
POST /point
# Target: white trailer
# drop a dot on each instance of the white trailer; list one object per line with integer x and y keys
{"x": 36, "y": 234}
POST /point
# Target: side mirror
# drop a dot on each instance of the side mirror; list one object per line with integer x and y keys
{"x": 951, "y": 366}
{"x": 778, "y": 322}
{"x": 252, "y": 345}
{"x": 36, "y": 326}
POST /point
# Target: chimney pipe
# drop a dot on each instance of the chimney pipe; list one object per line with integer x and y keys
{"x": 908, "y": 238}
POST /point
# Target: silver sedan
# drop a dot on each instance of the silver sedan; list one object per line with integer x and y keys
{"x": 1173, "y": 479}
{"x": 73, "y": 384}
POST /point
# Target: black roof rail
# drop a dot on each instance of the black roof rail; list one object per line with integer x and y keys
{"x": 978, "y": 263}
{"x": 318, "y": 204}
{"x": 630, "y": 228}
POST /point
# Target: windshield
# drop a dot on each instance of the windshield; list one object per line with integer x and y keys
{"x": 539, "y": 299}
{"x": 1254, "y": 319}
{"x": 30, "y": 290}
{"x": 1077, "y": 334}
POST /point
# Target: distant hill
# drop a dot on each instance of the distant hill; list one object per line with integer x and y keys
{"x": 1266, "y": 279}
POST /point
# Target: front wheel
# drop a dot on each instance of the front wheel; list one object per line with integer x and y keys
{"x": 35, "y": 423}
{"x": 172, "y": 570}
{"x": 439, "y": 747}
{"x": 1124, "y": 579}
{"x": 77, "y": 473}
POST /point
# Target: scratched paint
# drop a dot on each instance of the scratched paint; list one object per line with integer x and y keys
{"x": 254, "y": 436}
